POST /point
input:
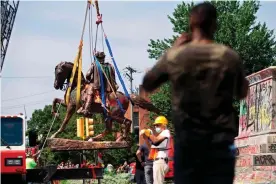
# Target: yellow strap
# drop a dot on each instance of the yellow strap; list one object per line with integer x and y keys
{"x": 76, "y": 64}
{"x": 79, "y": 81}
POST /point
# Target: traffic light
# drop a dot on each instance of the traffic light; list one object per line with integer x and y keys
{"x": 80, "y": 127}
{"x": 89, "y": 127}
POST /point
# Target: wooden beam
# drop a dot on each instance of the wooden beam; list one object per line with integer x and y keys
{"x": 58, "y": 144}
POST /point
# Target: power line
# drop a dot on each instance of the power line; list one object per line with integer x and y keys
{"x": 9, "y": 99}
{"x": 22, "y": 105}
{"x": 31, "y": 77}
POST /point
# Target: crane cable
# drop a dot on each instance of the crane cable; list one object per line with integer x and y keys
{"x": 100, "y": 67}
{"x": 49, "y": 130}
{"x": 78, "y": 63}
{"x": 91, "y": 33}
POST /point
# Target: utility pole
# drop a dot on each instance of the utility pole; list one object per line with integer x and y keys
{"x": 129, "y": 71}
{"x": 25, "y": 112}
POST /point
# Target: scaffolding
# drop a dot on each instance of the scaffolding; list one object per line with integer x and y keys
{"x": 8, "y": 13}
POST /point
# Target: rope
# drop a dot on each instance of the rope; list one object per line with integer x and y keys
{"x": 90, "y": 34}
{"x": 102, "y": 36}
{"x": 49, "y": 130}
{"x": 96, "y": 39}
{"x": 100, "y": 68}
{"x": 77, "y": 62}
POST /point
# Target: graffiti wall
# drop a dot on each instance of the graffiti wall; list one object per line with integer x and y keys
{"x": 256, "y": 143}
{"x": 257, "y": 111}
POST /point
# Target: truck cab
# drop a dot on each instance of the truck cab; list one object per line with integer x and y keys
{"x": 13, "y": 167}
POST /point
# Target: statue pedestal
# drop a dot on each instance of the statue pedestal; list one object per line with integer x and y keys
{"x": 256, "y": 143}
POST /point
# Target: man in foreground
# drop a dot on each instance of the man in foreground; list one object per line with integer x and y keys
{"x": 159, "y": 148}
{"x": 205, "y": 78}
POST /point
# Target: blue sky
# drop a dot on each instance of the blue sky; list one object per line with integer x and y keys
{"x": 48, "y": 32}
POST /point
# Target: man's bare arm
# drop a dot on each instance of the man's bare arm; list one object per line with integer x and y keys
{"x": 157, "y": 139}
{"x": 157, "y": 75}
{"x": 139, "y": 154}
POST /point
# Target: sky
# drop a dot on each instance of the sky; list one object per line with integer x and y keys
{"x": 47, "y": 32}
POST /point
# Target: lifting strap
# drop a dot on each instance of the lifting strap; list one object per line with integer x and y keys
{"x": 99, "y": 66}
{"x": 99, "y": 21}
{"x": 77, "y": 63}
{"x": 116, "y": 68}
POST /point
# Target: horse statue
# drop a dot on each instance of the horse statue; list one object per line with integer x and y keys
{"x": 63, "y": 73}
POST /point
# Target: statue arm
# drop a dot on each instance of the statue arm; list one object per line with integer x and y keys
{"x": 89, "y": 75}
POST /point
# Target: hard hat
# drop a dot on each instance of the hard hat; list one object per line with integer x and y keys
{"x": 161, "y": 120}
{"x": 100, "y": 54}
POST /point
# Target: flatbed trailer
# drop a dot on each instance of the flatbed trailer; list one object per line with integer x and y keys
{"x": 51, "y": 173}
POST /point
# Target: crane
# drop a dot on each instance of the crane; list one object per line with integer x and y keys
{"x": 8, "y": 13}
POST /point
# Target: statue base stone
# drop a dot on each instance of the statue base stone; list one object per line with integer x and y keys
{"x": 256, "y": 143}
{"x": 256, "y": 159}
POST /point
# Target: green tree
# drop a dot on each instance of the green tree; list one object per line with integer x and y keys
{"x": 237, "y": 27}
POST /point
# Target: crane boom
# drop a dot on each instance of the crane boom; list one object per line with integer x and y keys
{"x": 8, "y": 13}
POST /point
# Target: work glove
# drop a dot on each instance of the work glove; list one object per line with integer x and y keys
{"x": 146, "y": 132}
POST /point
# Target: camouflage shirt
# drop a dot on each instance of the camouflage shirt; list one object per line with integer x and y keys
{"x": 205, "y": 78}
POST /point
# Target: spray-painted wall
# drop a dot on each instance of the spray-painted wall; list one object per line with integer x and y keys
{"x": 257, "y": 111}
{"x": 256, "y": 143}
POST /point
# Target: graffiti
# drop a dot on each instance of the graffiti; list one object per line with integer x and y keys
{"x": 254, "y": 177}
{"x": 272, "y": 148}
{"x": 264, "y": 105}
{"x": 244, "y": 161}
{"x": 248, "y": 150}
{"x": 264, "y": 168}
{"x": 257, "y": 111}
{"x": 265, "y": 160}
{"x": 257, "y": 77}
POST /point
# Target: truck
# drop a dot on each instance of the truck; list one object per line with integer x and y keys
{"x": 13, "y": 146}
{"x": 13, "y": 157}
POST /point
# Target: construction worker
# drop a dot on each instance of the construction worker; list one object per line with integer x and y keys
{"x": 30, "y": 162}
{"x": 159, "y": 149}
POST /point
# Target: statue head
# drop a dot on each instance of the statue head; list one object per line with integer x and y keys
{"x": 100, "y": 56}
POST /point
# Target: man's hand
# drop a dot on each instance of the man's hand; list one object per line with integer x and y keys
{"x": 182, "y": 39}
{"x": 146, "y": 132}
{"x": 142, "y": 132}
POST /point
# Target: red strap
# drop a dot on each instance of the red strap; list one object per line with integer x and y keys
{"x": 94, "y": 173}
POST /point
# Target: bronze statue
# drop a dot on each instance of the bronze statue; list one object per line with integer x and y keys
{"x": 63, "y": 73}
{"x": 94, "y": 87}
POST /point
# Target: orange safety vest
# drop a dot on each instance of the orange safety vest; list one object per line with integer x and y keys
{"x": 153, "y": 151}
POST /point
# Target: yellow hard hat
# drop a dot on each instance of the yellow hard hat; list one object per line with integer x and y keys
{"x": 161, "y": 120}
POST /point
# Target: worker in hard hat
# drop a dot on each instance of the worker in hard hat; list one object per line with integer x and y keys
{"x": 159, "y": 149}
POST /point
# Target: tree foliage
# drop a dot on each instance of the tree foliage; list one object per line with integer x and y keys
{"x": 237, "y": 27}
{"x": 41, "y": 121}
